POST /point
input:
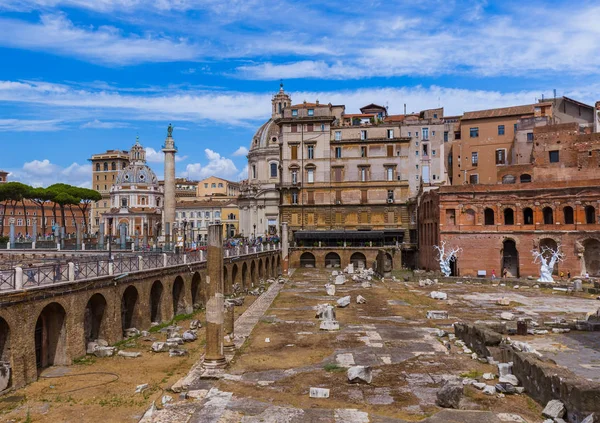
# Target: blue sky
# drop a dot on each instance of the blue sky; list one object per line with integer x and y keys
{"x": 78, "y": 77}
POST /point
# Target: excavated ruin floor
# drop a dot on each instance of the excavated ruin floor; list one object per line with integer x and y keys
{"x": 286, "y": 354}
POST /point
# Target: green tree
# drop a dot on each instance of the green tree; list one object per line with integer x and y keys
{"x": 86, "y": 198}
{"x": 41, "y": 196}
{"x": 15, "y": 193}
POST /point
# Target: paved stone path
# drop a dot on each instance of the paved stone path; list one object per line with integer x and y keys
{"x": 216, "y": 401}
{"x": 246, "y": 322}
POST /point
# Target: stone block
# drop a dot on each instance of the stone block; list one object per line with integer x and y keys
{"x": 160, "y": 347}
{"x": 360, "y": 299}
{"x": 329, "y": 325}
{"x": 449, "y": 395}
{"x": 104, "y": 351}
{"x": 360, "y": 373}
{"x": 177, "y": 352}
{"x": 318, "y": 393}
{"x": 437, "y": 314}
{"x": 189, "y": 336}
{"x": 129, "y": 354}
{"x": 4, "y": 376}
{"x": 344, "y": 301}
{"x": 438, "y": 295}
{"x": 554, "y": 409}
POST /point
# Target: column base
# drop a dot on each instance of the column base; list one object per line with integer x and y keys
{"x": 229, "y": 349}
{"x": 213, "y": 369}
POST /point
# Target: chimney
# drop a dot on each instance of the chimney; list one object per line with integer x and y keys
{"x": 597, "y": 117}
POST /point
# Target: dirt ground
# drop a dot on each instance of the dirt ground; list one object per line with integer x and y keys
{"x": 103, "y": 389}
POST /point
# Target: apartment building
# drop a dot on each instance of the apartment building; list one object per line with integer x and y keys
{"x": 500, "y": 137}
{"x": 214, "y": 186}
{"x": 105, "y": 169}
{"x": 344, "y": 178}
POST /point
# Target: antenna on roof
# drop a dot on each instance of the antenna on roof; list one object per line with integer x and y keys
{"x": 405, "y": 108}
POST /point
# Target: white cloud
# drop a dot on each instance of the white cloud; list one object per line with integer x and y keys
{"x": 243, "y": 173}
{"x": 44, "y": 173}
{"x": 248, "y": 109}
{"x": 154, "y": 156}
{"x": 240, "y": 152}
{"x": 217, "y": 166}
{"x": 97, "y": 124}
{"x": 105, "y": 44}
{"x": 24, "y": 125}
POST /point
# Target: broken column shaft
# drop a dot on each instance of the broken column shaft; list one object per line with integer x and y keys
{"x": 284, "y": 249}
{"x": 229, "y": 346}
{"x": 214, "y": 357}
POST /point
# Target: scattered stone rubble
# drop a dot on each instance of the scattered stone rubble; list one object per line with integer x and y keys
{"x": 360, "y": 374}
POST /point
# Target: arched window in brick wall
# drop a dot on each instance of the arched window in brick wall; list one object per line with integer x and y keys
{"x": 488, "y": 216}
{"x": 509, "y": 216}
{"x": 527, "y": 216}
{"x": 590, "y": 215}
{"x": 568, "y": 215}
{"x": 548, "y": 215}
{"x": 525, "y": 178}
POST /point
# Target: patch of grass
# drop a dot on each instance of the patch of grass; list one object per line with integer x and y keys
{"x": 181, "y": 317}
{"x": 28, "y": 417}
{"x": 334, "y": 368}
{"x": 175, "y": 319}
{"x": 473, "y": 374}
{"x": 531, "y": 404}
{"x": 86, "y": 360}
{"x": 125, "y": 341}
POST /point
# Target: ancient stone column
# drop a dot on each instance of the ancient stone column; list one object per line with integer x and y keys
{"x": 284, "y": 249}
{"x": 11, "y": 236}
{"x": 228, "y": 345}
{"x": 214, "y": 358}
{"x": 78, "y": 237}
{"x": 169, "y": 201}
{"x": 101, "y": 237}
{"x": 122, "y": 236}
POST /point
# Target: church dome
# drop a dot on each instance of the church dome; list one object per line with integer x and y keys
{"x": 266, "y": 136}
{"x": 137, "y": 174}
{"x": 137, "y": 171}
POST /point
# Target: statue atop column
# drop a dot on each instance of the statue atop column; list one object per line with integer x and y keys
{"x": 170, "y": 131}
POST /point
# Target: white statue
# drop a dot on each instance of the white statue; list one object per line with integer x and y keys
{"x": 445, "y": 258}
{"x": 547, "y": 258}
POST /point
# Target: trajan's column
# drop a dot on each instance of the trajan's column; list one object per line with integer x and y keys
{"x": 169, "y": 207}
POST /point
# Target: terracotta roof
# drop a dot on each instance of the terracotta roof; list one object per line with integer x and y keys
{"x": 504, "y": 111}
{"x": 299, "y": 106}
{"x": 365, "y": 115}
{"x": 399, "y": 118}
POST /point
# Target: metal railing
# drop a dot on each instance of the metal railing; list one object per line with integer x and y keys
{"x": 7, "y": 280}
{"x": 80, "y": 268}
{"x": 126, "y": 264}
{"x": 90, "y": 269}
{"x": 45, "y": 275}
{"x": 152, "y": 261}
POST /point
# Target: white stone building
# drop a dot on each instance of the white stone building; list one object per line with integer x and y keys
{"x": 259, "y": 196}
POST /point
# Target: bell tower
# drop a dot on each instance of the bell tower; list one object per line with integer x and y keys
{"x": 280, "y": 101}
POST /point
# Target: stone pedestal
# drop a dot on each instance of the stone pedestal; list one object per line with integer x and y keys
{"x": 101, "y": 237}
{"x": 284, "y": 249}
{"x": 214, "y": 358}
{"x": 228, "y": 344}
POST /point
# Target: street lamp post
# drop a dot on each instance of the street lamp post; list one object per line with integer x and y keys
{"x": 185, "y": 222}
{"x": 254, "y": 231}
{"x": 110, "y": 222}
